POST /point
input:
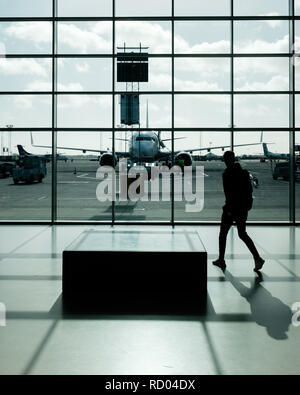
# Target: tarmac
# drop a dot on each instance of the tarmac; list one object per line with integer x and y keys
{"x": 77, "y": 201}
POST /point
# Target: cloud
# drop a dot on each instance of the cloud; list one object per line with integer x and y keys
{"x": 22, "y": 66}
{"x": 275, "y": 23}
{"x": 84, "y": 41}
{"x": 160, "y": 81}
{"x": 205, "y": 66}
{"x": 186, "y": 85}
{"x": 261, "y": 46}
{"x": 82, "y": 67}
{"x": 182, "y": 46}
{"x": 149, "y": 34}
{"x": 47, "y": 86}
{"x": 37, "y": 32}
{"x": 276, "y": 83}
{"x": 260, "y": 65}
{"x": 24, "y": 102}
{"x": 2, "y": 50}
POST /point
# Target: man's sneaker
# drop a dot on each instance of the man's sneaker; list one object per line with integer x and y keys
{"x": 259, "y": 262}
{"x": 220, "y": 263}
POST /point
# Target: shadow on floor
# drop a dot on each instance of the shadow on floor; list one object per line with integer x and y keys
{"x": 131, "y": 309}
{"x": 266, "y": 310}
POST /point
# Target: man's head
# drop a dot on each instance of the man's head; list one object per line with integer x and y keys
{"x": 229, "y": 158}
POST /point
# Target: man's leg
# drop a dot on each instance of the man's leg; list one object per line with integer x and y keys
{"x": 226, "y": 223}
{"x": 240, "y": 220}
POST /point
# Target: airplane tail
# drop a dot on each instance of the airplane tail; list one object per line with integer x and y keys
{"x": 262, "y": 137}
{"x": 265, "y": 148}
{"x": 22, "y": 151}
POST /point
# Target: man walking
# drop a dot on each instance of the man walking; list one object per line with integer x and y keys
{"x": 238, "y": 201}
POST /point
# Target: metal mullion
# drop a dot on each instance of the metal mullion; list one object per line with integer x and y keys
{"x": 176, "y": 129}
{"x": 27, "y": 19}
{"x": 173, "y": 120}
{"x": 159, "y": 55}
{"x": 34, "y": 56}
{"x": 292, "y": 115}
{"x": 25, "y": 93}
{"x": 85, "y": 56}
{"x": 147, "y": 18}
{"x": 147, "y": 92}
{"x": 145, "y": 223}
{"x": 113, "y": 106}
{"x": 54, "y": 117}
{"x": 232, "y": 76}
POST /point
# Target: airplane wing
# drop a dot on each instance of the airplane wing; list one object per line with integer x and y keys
{"x": 83, "y": 150}
{"x": 216, "y": 147}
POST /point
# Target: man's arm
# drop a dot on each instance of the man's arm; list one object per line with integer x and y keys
{"x": 248, "y": 190}
{"x": 226, "y": 188}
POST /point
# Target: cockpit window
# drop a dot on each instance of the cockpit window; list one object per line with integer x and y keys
{"x": 145, "y": 139}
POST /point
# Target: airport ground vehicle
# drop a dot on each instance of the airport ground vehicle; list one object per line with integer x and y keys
{"x": 282, "y": 170}
{"x": 6, "y": 169}
{"x": 29, "y": 169}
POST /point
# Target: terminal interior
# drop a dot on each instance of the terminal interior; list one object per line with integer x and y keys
{"x": 168, "y": 85}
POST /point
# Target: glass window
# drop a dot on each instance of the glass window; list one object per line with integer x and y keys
{"x": 77, "y": 180}
{"x": 212, "y": 74}
{"x": 261, "y": 74}
{"x": 88, "y": 74}
{"x": 267, "y": 164}
{"x": 202, "y": 8}
{"x": 261, "y": 8}
{"x": 202, "y": 111}
{"x": 155, "y": 36}
{"x": 159, "y": 108}
{"x": 26, "y": 37}
{"x": 25, "y": 74}
{"x": 297, "y": 7}
{"x": 202, "y": 37}
{"x": 159, "y": 77}
{"x": 297, "y": 105}
{"x": 84, "y": 37}
{"x": 151, "y": 204}
{"x": 297, "y": 57}
{"x": 28, "y": 8}
{"x": 80, "y": 111}
{"x": 87, "y": 8}
{"x": 297, "y": 176}
{"x": 206, "y": 172}
{"x": 26, "y": 110}
{"x": 143, "y": 8}
{"x": 261, "y": 111}
{"x": 261, "y": 36}
{"x": 25, "y": 195}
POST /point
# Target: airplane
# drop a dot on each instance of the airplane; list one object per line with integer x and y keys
{"x": 146, "y": 147}
{"x": 47, "y": 157}
{"x": 272, "y": 155}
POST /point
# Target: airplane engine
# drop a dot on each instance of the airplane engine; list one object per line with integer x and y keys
{"x": 107, "y": 159}
{"x": 183, "y": 159}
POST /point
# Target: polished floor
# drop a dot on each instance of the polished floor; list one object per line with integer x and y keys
{"x": 247, "y": 328}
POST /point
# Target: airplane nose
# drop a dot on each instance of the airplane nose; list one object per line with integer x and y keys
{"x": 146, "y": 151}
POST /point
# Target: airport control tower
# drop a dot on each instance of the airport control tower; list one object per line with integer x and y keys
{"x": 132, "y": 68}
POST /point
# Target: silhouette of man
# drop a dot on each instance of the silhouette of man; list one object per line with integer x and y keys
{"x": 238, "y": 201}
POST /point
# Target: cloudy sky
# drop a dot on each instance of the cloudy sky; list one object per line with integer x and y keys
{"x": 191, "y": 74}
